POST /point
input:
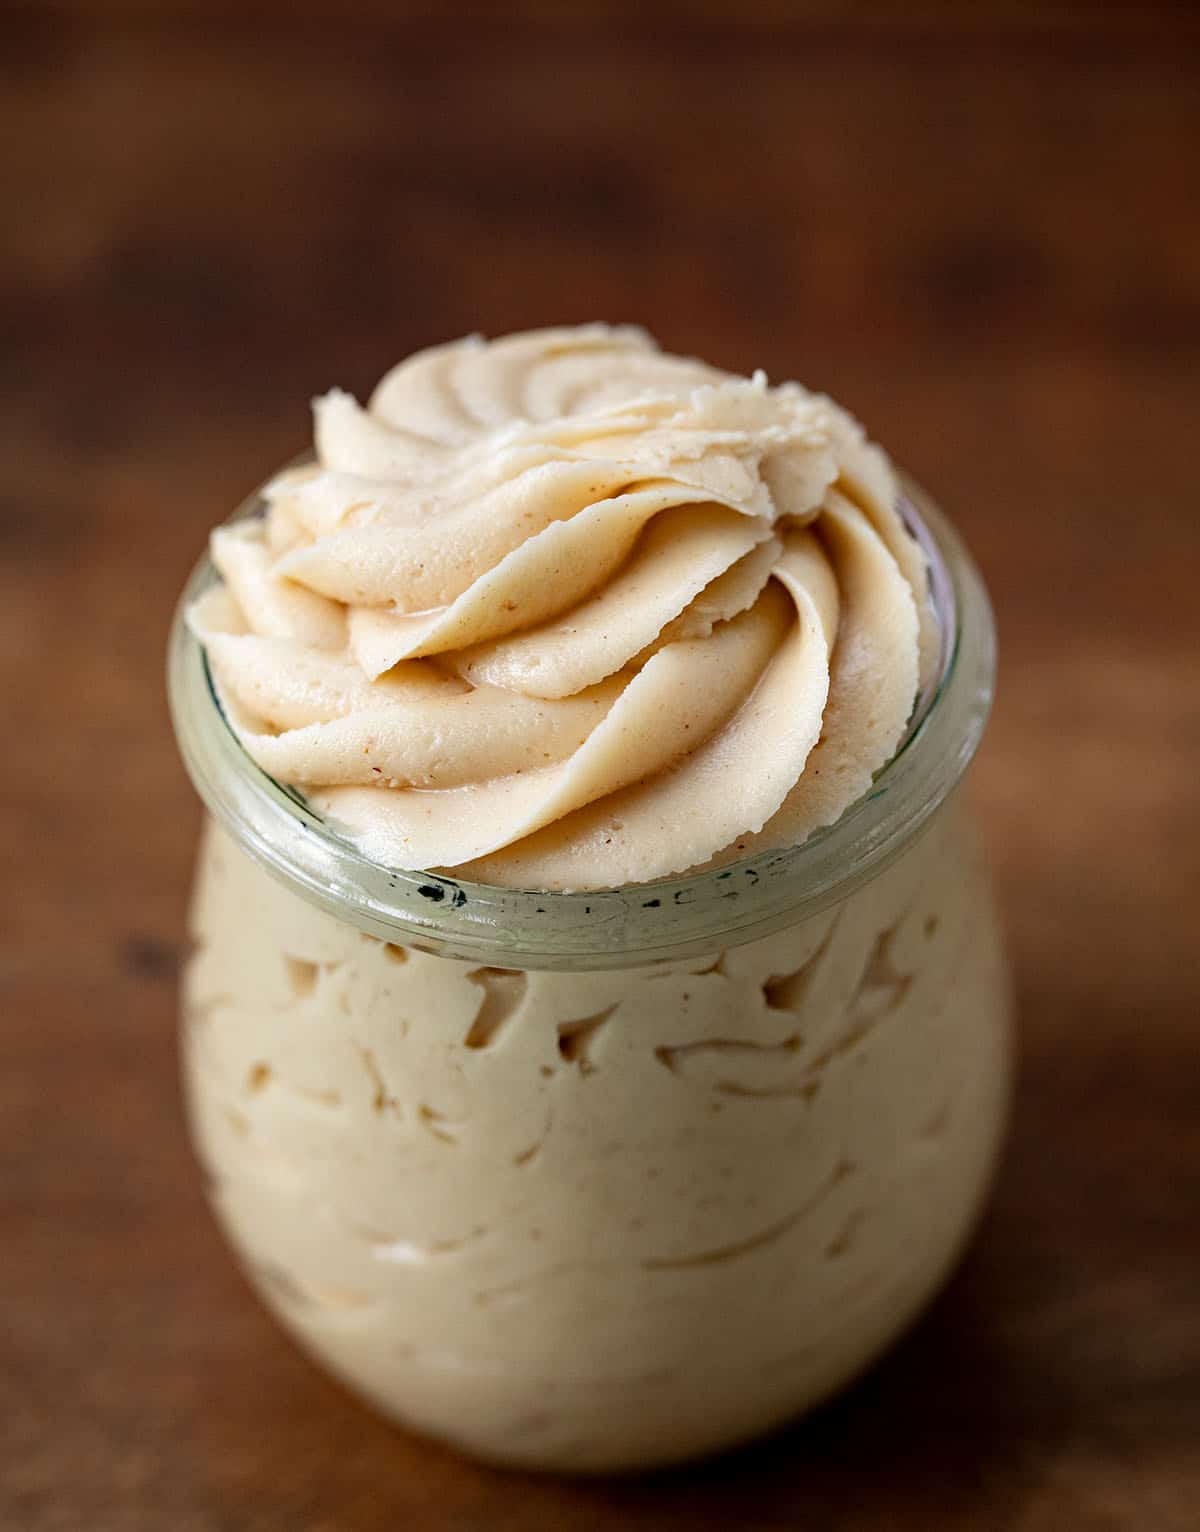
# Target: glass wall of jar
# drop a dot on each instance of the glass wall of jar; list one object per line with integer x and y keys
{"x": 604, "y": 1180}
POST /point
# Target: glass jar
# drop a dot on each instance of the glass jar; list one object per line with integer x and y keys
{"x": 602, "y": 1180}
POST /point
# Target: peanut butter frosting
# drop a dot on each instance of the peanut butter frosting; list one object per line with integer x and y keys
{"x": 563, "y": 611}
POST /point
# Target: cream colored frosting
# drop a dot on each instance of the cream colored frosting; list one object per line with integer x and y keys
{"x": 563, "y": 611}
{"x": 600, "y": 1220}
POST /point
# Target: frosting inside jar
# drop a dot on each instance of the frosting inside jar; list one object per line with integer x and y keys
{"x": 562, "y": 611}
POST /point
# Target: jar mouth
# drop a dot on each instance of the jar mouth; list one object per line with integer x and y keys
{"x": 641, "y": 923}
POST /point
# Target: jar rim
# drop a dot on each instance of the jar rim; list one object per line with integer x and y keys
{"x": 675, "y": 917}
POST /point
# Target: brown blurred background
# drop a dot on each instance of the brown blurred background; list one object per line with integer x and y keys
{"x": 978, "y": 225}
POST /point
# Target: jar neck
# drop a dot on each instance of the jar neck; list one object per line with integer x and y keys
{"x": 609, "y": 928}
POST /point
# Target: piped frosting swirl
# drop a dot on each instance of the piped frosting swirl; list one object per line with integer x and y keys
{"x": 563, "y": 611}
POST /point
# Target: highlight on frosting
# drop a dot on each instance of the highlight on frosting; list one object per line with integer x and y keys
{"x": 562, "y": 611}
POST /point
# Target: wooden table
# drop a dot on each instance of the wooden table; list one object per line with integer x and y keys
{"x": 979, "y": 227}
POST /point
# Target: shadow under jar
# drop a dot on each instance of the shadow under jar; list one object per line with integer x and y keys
{"x": 594, "y": 1181}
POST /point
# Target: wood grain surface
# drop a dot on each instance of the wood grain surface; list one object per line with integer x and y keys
{"x": 980, "y": 227}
